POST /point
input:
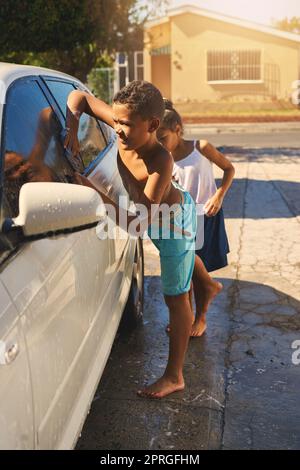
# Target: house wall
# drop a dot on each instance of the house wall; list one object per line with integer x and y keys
{"x": 191, "y": 36}
{"x": 161, "y": 74}
{"x": 154, "y": 38}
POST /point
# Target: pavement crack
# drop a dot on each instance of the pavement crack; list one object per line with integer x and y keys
{"x": 234, "y": 294}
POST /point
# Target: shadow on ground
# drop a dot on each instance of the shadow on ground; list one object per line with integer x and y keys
{"x": 269, "y": 206}
{"x": 242, "y": 389}
{"x": 262, "y": 154}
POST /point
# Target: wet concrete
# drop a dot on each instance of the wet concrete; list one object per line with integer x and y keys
{"x": 242, "y": 388}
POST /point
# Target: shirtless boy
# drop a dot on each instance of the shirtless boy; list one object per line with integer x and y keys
{"x": 146, "y": 171}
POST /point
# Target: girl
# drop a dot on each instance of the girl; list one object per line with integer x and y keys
{"x": 194, "y": 172}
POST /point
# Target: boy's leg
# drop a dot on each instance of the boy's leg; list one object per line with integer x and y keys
{"x": 177, "y": 258}
{"x": 191, "y": 296}
{"x": 181, "y": 320}
{"x": 191, "y": 304}
{"x": 205, "y": 290}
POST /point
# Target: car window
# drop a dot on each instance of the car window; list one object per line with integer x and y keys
{"x": 109, "y": 132}
{"x": 60, "y": 91}
{"x": 33, "y": 149}
{"x": 90, "y": 135}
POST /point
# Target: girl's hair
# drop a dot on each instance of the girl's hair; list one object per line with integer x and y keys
{"x": 171, "y": 117}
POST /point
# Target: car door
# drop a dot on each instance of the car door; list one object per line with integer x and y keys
{"x": 56, "y": 284}
{"x": 16, "y": 409}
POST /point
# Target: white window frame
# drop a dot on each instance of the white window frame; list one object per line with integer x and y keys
{"x": 138, "y": 66}
{"x": 235, "y": 82}
{"x": 119, "y": 66}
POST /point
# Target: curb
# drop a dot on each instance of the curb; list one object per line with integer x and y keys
{"x": 232, "y": 128}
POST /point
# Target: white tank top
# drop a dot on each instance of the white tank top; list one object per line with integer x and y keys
{"x": 195, "y": 174}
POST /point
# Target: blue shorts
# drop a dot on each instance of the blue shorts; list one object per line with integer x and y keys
{"x": 176, "y": 245}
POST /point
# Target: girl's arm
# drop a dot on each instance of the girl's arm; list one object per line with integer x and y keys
{"x": 211, "y": 153}
{"x": 80, "y": 102}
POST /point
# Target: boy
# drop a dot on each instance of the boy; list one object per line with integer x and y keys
{"x": 146, "y": 170}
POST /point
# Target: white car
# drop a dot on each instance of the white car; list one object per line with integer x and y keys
{"x": 63, "y": 284}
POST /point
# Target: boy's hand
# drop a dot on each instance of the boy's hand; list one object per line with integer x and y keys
{"x": 213, "y": 205}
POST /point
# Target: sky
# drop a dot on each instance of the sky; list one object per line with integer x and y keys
{"x": 259, "y": 11}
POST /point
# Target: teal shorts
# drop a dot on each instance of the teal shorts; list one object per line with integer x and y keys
{"x": 176, "y": 245}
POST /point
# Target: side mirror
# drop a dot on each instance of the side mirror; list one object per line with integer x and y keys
{"x": 49, "y": 207}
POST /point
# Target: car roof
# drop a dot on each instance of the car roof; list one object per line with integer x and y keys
{"x": 10, "y": 72}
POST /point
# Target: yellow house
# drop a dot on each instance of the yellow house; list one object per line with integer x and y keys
{"x": 195, "y": 55}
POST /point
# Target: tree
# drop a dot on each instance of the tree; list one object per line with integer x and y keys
{"x": 39, "y": 26}
{"x": 289, "y": 24}
{"x": 71, "y": 35}
{"x": 145, "y": 10}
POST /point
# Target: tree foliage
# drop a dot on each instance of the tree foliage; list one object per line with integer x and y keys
{"x": 39, "y": 26}
{"x": 289, "y": 24}
{"x": 71, "y": 35}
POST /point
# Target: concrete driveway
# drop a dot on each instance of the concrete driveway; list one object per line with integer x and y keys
{"x": 242, "y": 388}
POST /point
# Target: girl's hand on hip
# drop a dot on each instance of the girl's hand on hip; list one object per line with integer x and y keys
{"x": 213, "y": 205}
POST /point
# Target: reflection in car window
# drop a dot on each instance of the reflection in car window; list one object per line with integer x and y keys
{"x": 60, "y": 90}
{"x": 108, "y": 132}
{"x": 33, "y": 145}
{"x": 91, "y": 139}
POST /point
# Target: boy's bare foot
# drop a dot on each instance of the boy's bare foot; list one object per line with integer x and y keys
{"x": 199, "y": 327}
{"x": 207, "y": 296}
{"x": 163, "y": 387}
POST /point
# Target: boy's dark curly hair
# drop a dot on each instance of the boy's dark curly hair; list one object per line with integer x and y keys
{"x": 142, "y": 98}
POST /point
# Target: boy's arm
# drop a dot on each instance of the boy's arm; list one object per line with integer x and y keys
{"x": 153, "y": 193}
{"x": 123, "y": 217}
{"x": 80, "y": 102}
{"x": 212, "y": 154}
{"x": 156, "y": 185}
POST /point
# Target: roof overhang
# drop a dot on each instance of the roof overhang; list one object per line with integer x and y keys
{"x": 192, "y": 9}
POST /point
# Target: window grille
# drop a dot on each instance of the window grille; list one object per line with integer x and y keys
{"x": 233, "y": 65}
